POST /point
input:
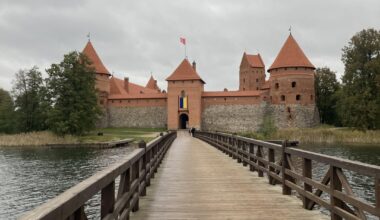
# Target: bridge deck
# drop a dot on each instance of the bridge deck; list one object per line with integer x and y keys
{"x": 197, "y": 181}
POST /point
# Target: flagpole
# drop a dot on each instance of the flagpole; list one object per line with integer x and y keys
{"x": 185, "y": 51}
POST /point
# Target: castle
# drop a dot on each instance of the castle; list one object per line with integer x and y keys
{"x": 287, "y": 97}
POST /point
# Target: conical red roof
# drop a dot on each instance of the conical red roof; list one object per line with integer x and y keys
{"x": 152, "y": 84}
{"x": 97, "y": 64}
{"x": 291, "y": 55}
{"x": 184, "y": 72}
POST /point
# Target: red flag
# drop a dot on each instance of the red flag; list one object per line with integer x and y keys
{"x": 182, "y": 40}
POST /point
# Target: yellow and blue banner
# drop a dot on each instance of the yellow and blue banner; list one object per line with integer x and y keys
{"x": 183, "y": 102}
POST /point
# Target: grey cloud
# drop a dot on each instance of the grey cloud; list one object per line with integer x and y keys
{"x": 134, "y": 38}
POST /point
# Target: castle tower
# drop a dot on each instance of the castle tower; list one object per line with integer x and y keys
{"x": 184, "y": 93}
{"x": 102, "y": 74}
{"x": 292, "y": 76}
{"x": 152, "y": 84}
{"x": 252, "y": 72}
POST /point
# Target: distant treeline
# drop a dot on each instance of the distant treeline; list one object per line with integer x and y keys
{"x": 355, "y": 102}
{"x": 65, "y": 102}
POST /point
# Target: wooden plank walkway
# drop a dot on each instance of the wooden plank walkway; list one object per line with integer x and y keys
{"x": 197, "y": 181}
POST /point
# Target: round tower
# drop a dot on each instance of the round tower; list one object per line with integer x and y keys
{"x": 292, "y": 76}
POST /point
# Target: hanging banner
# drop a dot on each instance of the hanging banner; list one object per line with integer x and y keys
{"x": 183, "y": 102}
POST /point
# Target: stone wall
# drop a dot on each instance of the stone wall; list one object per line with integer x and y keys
{"x": 232, "y": 118}
{"x": 137, "y": 117}
{"x": 245, "y": 118}
{"x": 299, "y": 116}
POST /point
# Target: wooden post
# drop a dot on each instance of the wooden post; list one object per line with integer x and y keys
{"x": 233, "y": 146}
{"x": 142, "y": 145}
{"x": 149, "y": 159}
{"x": 107, "y": 199}
{"x": 244, "y": 154}
{"x": 377, "y": 191}
{"x": 238, "y": 148}
{"x": 135, "y": 176}
{"x": 260, "y": 155}
{"x": 79, "y": 214}
{"x": 251, "y": 152}
{"x": 230, "y": 146}
{"x": 271, "y": 169}
{"x": 286, "y": 190}
{"x": 335, "y": 184}
{"x": 306, "y": 172}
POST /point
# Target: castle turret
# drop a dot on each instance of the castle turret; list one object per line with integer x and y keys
{"x": 252, "y": 72}
{"x": 102, "y": 74}
{"x": 292, "y": 76}
{"x": 152, "y": 84}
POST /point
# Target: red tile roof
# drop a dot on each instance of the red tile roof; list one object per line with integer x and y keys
{"x": 117, "y": 90}
{"x": 184, "y": 72}
{"x": 152, "y": 84}
{"x": 291, "y": 55}
{"x": 254, "y": 60}
{"x": 231, "y": 93}
{"x": 97, "y": 64}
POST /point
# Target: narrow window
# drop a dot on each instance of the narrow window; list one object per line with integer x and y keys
{"x": 257, "y": 80}
{"x": 294, "y": 84}
{"x": 311, "y": 97}
{"x": 298, "y": 97}
{"x": 277, "y": 86}
{"x": 243, "y": 80}
{"x": 282, "y": 98}
{"x": 243, "y": 89}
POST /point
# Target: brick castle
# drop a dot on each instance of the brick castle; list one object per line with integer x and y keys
{"x": 288, "y": 96}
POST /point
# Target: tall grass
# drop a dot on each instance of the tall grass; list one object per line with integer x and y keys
{"x": 323, "y": 134}
{"x": 109, "y": 134}
{"x": 35, "y": 139}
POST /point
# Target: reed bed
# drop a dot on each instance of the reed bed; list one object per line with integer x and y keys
{"x": 35, "y": 139}
{"x": 323, "y": 134}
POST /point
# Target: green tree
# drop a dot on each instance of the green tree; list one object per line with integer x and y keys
{"x": 6, "y": 112}
{"x": 29, "y": 94}
{"x": 326, "y": 87}
{"x": 71, "y": 86}
{"x": 359, "y": 104}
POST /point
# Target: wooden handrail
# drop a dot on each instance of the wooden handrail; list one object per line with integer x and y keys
{"x": 135, "y": 171}
{"x": 261, "y": 157}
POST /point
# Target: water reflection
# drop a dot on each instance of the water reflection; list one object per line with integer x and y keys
{"x": 29, "y": 177}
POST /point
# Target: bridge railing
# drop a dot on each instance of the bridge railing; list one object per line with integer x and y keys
{"x": 135, "y": 172}
{"x": 277, "y": 162}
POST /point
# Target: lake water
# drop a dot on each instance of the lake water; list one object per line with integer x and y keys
{"x": 30, "y": 176}
{"x": 363, "y": 186}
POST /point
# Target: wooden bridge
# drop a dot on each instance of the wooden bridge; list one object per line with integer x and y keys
{"x": 198, "y": 178}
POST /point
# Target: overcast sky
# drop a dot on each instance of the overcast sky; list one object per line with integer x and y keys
{"x": 134, "y": 38}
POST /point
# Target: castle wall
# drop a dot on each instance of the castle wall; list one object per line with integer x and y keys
{"x": 137, "y": 117}
{"x": 249, "y": 117}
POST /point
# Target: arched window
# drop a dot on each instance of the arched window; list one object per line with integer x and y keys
{"x": 276, "y": 85}
{"x": 282, "y": 98}
{"x": 294, "y": 84}
{"x": 298, "y": 97}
